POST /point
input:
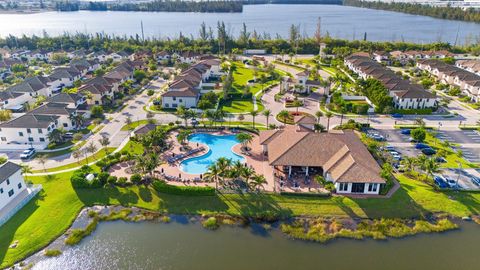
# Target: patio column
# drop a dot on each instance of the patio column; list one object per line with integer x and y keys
{"x": 306, "y": 171}
{"x": 289, "y": 170}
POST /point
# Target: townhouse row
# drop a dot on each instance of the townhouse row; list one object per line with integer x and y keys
{"x": 411, "y": 55}
{"x": 405, "y": 94}
{"x": 468, "y": 82}
{"x": 187, "y": 87}
{"x": 63, "y": 110}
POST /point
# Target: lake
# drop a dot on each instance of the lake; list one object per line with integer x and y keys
{"x": 182, "y": 245}
{"x": 340, "y": 21}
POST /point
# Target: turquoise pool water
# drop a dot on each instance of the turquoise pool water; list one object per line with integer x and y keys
{"x": 220, "y": 146}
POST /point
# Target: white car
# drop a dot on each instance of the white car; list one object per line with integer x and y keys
{"x": 28, "y": 153}
{"x": 450, "y": 182}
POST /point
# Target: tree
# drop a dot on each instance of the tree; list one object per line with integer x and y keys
{"x": 213, "y": 174}
{"x": 55, "y": 136}
{"x": 183, "y": 135}
{"x": 267, "y": 113}
{"x": 328, "y": 115}
{"x": 318, "y": 114}
{"x": 5, "y": 115}
{"x": 342, "y": 111}
{"x": 91, "y": 148}
{"x": 419, "y": 134}
{"x": 284, "y": 114}
{"x": 77, "y": 155}
{"x": 104, "y": 142}
{"x": 257, "y": 181}
{"x": 223, "y": 166}
{"x": 245, "y": 139}
{"x": 97, "y": 111}
{"x": 409, "y": 163}
{"x": 42, "y": 159}
{"x": 297, "y": 104}
{"x": 253, "y": 114}
{"x": 139, "y": 75}
{"x": 77, "y": 120}
{"x": 431, "y": 167}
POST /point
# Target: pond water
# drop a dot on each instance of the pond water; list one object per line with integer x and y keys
{"x": 182, "y": 245}
{"x": 219, "y": 146}
{"x": 339, "y": 21}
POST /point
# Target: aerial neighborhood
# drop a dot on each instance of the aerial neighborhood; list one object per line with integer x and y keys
{"x": 365, "y": 127}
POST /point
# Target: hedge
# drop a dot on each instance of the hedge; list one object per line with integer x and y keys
{"x": 161, "y": 186}
{"x": 414, "y": 111}
{"x": 310, "y": 194}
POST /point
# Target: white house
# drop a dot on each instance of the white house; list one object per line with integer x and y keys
{"x": 37, "y": 55}
{"x": 14, "y": 192}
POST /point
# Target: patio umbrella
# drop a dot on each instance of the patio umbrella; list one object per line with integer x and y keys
{"x": 162, "y": 170}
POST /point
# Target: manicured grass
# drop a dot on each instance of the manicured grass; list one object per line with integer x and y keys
{"x": 97, "y": 156}
{"x": 289, "y": 65}
{"x": 134, "y": 125}
{"x": 291, "y": 117}
{"x": 48, "y": 216}
{"x": 245, "y": 124}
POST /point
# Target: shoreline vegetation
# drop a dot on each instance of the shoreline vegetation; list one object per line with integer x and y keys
{"x": 314, "y": 229}
{"x": 446, "y": 13}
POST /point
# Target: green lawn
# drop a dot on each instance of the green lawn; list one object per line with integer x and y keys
{"x": 97, "y": 156}
{"x": 134, "y": 125}
{"x": 237, "y": 124}
{"x": 48, "y": 216}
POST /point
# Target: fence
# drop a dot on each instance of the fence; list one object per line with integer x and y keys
{"x": 33, "y": 192}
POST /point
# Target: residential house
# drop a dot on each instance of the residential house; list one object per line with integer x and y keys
{"x": 99, "y": 90}
{"x": 381, "y": 57}
{"x": 187, "y": 87}
{"x": 405, "y": 94}
{"x": 300, "y": 83}
{"x": 19, "y": 54}
{"x": 188, "y": 57}
{"x": 468, "y": 82}
{"x": 119, "y": 56}
{"x": 14, "y": 101}
{"x": 39, "y": 54}
{"x": 101, "y": 56}
{"x": 472, "y": 66}
{"x": 163, "y": 55}
{"x": 339, "y": 156}
{"x": 34, "y": 87}
{"x": 32, "y": 128}
{"x": 6, "y": 66}
{"x": 14, "y": 192}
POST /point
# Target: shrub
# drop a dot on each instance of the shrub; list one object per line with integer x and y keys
{"x": 211, "y": 223}
{"x": 150, "y": 92}
{"x": 136, "y": 179}
{"x": 122, "y": 181}
{"x": 78, "y": 179}
{"x": 52, "y": 252}
{"x": 112, "y": 179}
{"x": 103, "y": 177}
{"x": 161, "y": 186}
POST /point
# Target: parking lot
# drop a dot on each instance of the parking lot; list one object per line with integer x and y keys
{"x": 464, "y": 178}
{"x": 471, "y": 154}
{"x": 460, "y": 136}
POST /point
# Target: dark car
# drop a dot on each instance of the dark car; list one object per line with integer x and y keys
{"x": 405, "y": 131}
{"x": 440, "y": 160}
{"x": 397, "y": 115}
{"x": 421, "y": 146}
{"x": 428, "y": 151}
{"x": 440, "y": 182}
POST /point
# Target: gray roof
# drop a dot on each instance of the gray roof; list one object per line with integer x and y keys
{"x": 7, "y": 170}
{"x": 30, "y": 121}
{"x": 65, "y": 98}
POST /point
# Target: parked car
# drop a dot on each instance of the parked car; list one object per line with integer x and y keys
{"x": 475, "y": 180}
{"x": 68, "y": 135}
{"x": 421, "y": 146}
{"x": 405, "y": 131}
{"x": 397, "y": 157}
{"x": 440, "y": 160}
{"x": 450, "y": 182}
{"x": 412, "y": 140}
{"x": 428, "y": 151}
{"x": 26, "y": 154}
{"x": 397, "y": 115}
{"x": 440, "y": 181}
{"x": 389, "y": 148}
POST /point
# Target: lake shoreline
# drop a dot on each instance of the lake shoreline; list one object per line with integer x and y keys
{"x": 295, "y": 228}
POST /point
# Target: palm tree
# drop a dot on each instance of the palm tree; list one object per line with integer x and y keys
{"x": 257, "y": 181}
{"x": 297, "y": 104}
{"x": 328, "y": 115}
{"x": 213, "y": 174}
{"x": 245, "y": 139}
{"x": 223, "y": 166}
{"x": 253, "y": 114}
{"x": 342, "y": 111}
{"x": 77, "y": 120}
{"x": 247, "y": 173}
{"x": 152, "y": 162}
{"x": 284, "y": 114}
{"x": 26, "y": 169}
{"x": 237, "y": 168}
{"x": 431, "y": 167}
{"x": 77, "y": 155}
{"x": 183, "y": 135}
{"x": 55, "y": 136}
{"x": 104, "y": 142}
{"x": 318, "y": 114}
{"x": 267, "y": 113}
{"x": 409, "y": 163}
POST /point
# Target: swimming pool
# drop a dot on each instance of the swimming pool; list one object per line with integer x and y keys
{"x": 220, "y": 146}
